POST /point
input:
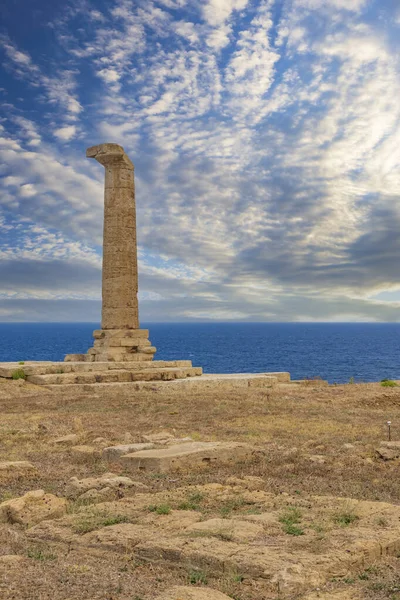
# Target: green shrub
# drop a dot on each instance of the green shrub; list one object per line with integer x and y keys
{"x": 196, "y": 577}
{"x": 388, "y": 383}
{"x": 161, "y": 509}
{"x": 345, "y": 518}
{"x": 19, "y": 374}
{"x": 93, "y": 521}
{"x": 289, "y": 519}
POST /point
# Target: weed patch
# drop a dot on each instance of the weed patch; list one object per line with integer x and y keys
{"x": 91, "y": 522}
{"x": 18, "y": 374}
{"x": 160, "y": 509}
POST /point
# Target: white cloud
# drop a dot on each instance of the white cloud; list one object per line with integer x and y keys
{"x": 348, "y": 5}
{"x": 267, "y": 175}
{"x": 216, "y": 12}
{"x": 27, "y": 190}
{"x": 59, "y": 90}
{"x": 65, "y": 133}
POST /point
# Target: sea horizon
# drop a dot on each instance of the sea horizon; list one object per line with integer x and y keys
{"x": 338, "y": 352}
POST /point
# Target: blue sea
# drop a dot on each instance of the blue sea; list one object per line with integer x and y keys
{"x": 334, "y": 351}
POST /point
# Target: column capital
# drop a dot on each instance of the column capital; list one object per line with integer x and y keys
{"x": 109, "y": 155}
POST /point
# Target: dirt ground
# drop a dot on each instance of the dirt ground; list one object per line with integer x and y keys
{"x": 316, "y": 440}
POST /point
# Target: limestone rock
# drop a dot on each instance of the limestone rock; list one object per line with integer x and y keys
{"x": 15, "y": 466}
{"x": 114, "y": 452}
{"x": 189, "y": 455}
{"x": 389, "y": 450}
{"x": 228, "y": 529}
{"x": 32, "y": 508}
{"x": 76, "y": 486}
{"x": 67, "y": 440}
{"x": 191, "y": 593}
{"x": 119, "y": 538}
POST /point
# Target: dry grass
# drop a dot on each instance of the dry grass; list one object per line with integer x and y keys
{"x": 291, "y": 423}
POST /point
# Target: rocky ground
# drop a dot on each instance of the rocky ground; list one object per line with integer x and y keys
{"x": 298, "y": 504}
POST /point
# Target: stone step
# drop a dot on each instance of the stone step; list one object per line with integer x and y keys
{"x": 115, "y": 376}
{"x": 205, "y": 383}
{"x": 57, "y": 368}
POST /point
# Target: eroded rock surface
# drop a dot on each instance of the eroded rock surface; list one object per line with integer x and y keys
{"x": 191, "y": 593}
{"x": 15, "y": 466}
{"x": 389, "y": 450}
{"x": 76, "y": 487}
{"x": 32, "y": 508}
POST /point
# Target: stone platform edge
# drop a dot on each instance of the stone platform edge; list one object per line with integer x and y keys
{"x": 200, "y": 383}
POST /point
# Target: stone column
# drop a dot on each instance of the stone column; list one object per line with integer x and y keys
{"x": 120, "y": 275}
{"x": 119, "y": 338}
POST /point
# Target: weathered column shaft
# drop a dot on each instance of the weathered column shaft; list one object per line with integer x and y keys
{"x": 120, "y": 272}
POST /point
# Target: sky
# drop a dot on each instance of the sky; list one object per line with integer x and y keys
{"x": 265, "y": 136}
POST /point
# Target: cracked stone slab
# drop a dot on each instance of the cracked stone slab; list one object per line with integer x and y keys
{"x": 114, "y": 452}
{"x": 188, "y": 455}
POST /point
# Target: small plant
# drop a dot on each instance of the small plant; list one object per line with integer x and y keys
{"x": 363, "y": 576}
{"x": 19, "y": 374}
{"x": 231, "y": 505}
{"x": 95, "y": 521}
{"x": 39, "y": 555}
{"x": 293, "y": 529}
{"x": 192, "y": 502}
{"x": 160, "y": 509}
{"x": 196, "y": 577}
{"x": 344, "y": 519}
{"x": 21, "y": 362}
{"x": 289, "y": 519}
{"x": 351, "y": 380}
{"x": 388, "y": 383}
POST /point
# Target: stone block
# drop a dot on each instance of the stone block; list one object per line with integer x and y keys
{"x": 32, "y": 508}
{"x": 190, "y": 455}
{"x": 134, "y": 342}
{"x": 121, "y": 318}
{"x": 74, "y": 357}
{"x": 99, "y": 334}
{"x": 114, "y": 452}
{"x": 147, "y": 349}
{"x": 119, "y": 178}
{"x": 67, "y": 440}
